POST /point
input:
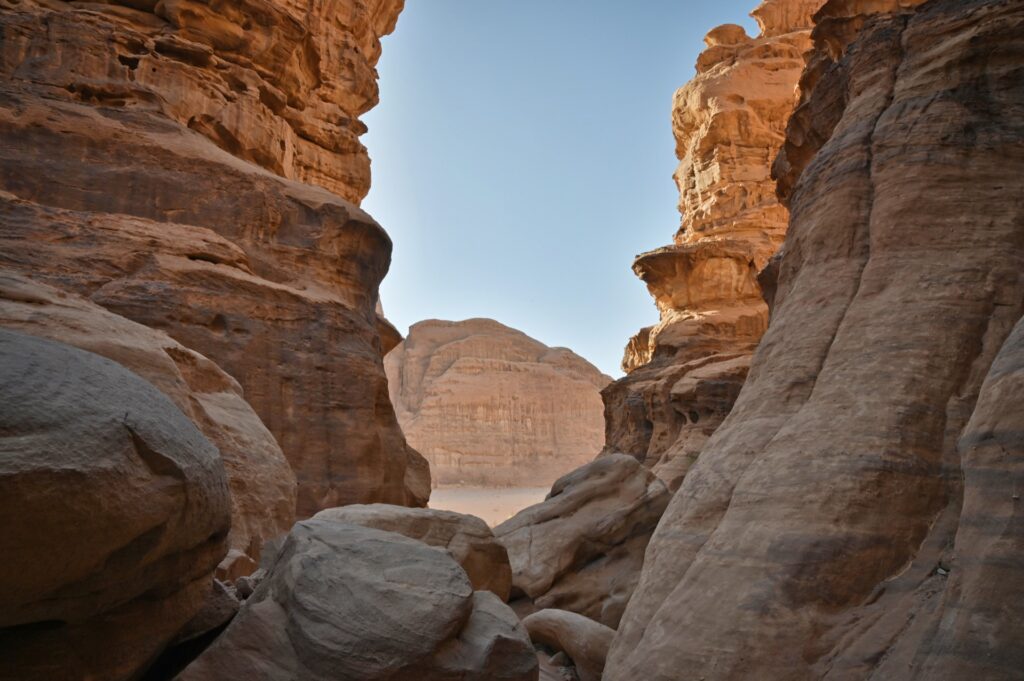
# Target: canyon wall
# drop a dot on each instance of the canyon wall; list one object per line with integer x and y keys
{"x": 685, "y": 373}
{"x": 488, "y": 405}
{"x": 192, "y": 166}
{"x": 857, "y": 515}
{"x": 178, "y": 190}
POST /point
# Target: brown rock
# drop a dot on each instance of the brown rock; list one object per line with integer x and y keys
{"x": 116, "y": 513}
{"x": 467, "y": 539}
{"x": 261, "y": 482}
{"x": 581, "y": 549}
{"x": 685, "y": 372}
{"x": 349, "y": 602}
{"x": 855, "y": 511}
{"x": 585, "y": 641}
{"x": 488, "y": 405}
{"x": 273, "y": 280}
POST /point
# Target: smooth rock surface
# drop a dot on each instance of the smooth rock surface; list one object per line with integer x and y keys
{"x": 581, "y": 549}
{"x": 261, "y": 482}
{"x": 583, "y": 640}
{"x": 467, "y": 539}
{"x": 839, "y": 523}
{"x": 116, "y": 514}
{"x": 350, "y": 603}
{"x": 488, "y": 405}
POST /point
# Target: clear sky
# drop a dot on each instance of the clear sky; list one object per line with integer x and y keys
{"x": 522, "y": 155}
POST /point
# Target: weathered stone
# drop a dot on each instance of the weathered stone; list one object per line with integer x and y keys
{"x": 854, "y": 517}
{"x": 467, "y": 539}
{"x": 583, "y": 640}
{"x": 685, "y": 372}
{"x": 349, "y": 602}
{"x": 116, "y": 514}
{"x": 582, "y": 548}
{"x": 488, "y": 405}
{"x": 167, "y": 144}
{"x": 261, "y": 482}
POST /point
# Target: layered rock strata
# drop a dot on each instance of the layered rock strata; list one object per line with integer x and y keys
{"x": 856, "y": 515}
{"x": 186, "y": 165}
{"x": 581, "y": 549}
{"x": 685, "y": 372}
{"x": 488, "y": 405}
{"x": 349, "y": 602}
{"x": 116, "y": 513}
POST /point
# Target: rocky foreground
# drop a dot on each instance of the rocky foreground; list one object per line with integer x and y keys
{"x": 812, "y": 470}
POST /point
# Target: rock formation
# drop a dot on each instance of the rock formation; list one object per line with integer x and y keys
{"x": 261, "y": 482}
{"x": 349, "y": 602}
{"x": 191, "y": 166}
{"x": 857, "y": 515}
{"x": 465, "y": 538}
{"x": 581, "y": 549}
{"x": 584, "y": 641}
{"x": 488, "y": 405}
{"x": 685, "y": 373}
{"x": 116, "y": 511}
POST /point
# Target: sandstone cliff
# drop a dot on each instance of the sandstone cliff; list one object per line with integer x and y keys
{"x": 191, "y": 166}
{"x": 488, "y": 405}
{"x": 857, "y": 515}
{"x": 685, "y": 372}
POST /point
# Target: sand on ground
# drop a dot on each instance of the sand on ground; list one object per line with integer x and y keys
{"x": 494, "y": 504}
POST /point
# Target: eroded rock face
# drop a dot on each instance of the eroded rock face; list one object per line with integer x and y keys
{"x": 116, "y": 513}
{"x": 467, "y": 539}
{"x": 581, "y": 548}
{"x": 261, "y": 482}
{"x": 277, "y": 83}
{"x": 855, "y": 510}
{"x": 349, "y": 602}
{"x": 685, "y": 372}
{"x": 488, "y": 405}
{"x": 154, "y": 161}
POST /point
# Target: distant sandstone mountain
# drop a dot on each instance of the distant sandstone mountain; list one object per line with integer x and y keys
{"x": 488, "y": 405}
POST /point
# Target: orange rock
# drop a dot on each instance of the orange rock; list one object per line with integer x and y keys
{"x": 161, "y": 146}
{"x": 685, "y": 372}
{"x": 488, "y": 405}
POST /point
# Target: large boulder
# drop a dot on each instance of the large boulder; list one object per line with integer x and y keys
{"x": 350, "y": 603}
{"x": 582, "y": 548}
{"x": 467, "y": 539}
{"x": 116, "y": 513}
{"x": 261, "y": 481}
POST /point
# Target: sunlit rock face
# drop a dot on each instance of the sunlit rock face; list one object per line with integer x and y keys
{"x": 191, "y": 167}
{"x": 488, "y": 405}
{"x": 685, "y": 372}
{"x": 857, "y": 515}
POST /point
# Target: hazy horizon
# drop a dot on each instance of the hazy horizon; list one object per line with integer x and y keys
{"x": 523, "y": 154}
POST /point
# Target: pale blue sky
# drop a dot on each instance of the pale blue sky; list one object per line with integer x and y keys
{"x": 522, "y": 155}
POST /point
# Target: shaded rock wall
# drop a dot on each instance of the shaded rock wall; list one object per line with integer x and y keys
{"x": 855, "y": 516}
{"x": 685, "y": 372}
{"x": 488, "y": 405}
{"x": 181, "y": 164}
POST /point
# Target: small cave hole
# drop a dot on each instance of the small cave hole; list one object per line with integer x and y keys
{"x": 694, "y": 416}
{"x": 131, "y": 62}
